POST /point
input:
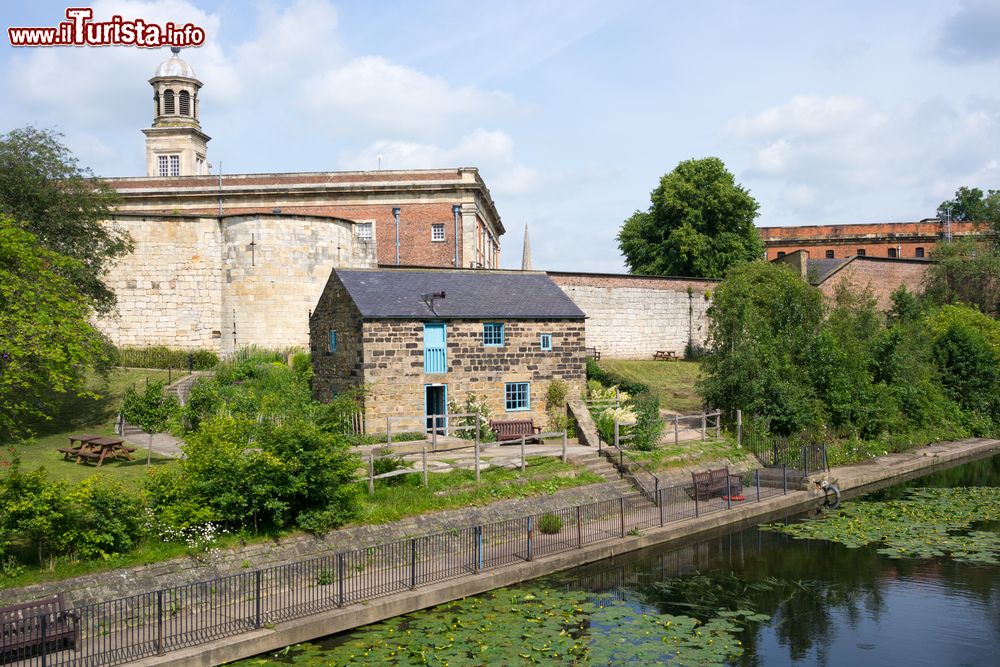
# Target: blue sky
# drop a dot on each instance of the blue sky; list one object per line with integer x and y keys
{"x": 828, "y": 112}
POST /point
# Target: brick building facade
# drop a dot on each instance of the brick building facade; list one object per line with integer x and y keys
{"x": 500, "y": 335}
{"x": 896, "y": 240}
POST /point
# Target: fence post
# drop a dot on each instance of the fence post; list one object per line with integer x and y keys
{"x": 756, "y": 474}
{"x": 696, "y": 510}
{"x": 617, "y": 440}
{"x": 434, "y": 432}
{"x": 805, "y": 462}
{"x": 826, "y": 461}
{"x": 476, "y": 445}
{"x": 579, "y": 529}
{"x": 564, "y": 447}
{"x": 340, "y": 580}
{"x": 423, "y": 458}
{"x": 388, "y": 431}
{"x": 718, "y": 424}
{"x": 371, "y": 472}
{"x": 729, "y": 491}
{"x": 621, "y": 512}
{"x": 45, "y": 627}
{"x": 784, "y": 479}
{"x": 677, "y": 430}
{"x": 479, "y": 548}
{"x": 659, "y": 501}
{"x": 170, "y": 375}
{"x": 656, "y": 492}
{"x": 413, "y": 563}
{"x": 257, "y": 600}
{"x": 522, "y": 453}
{"x": 704, "y": 419}
{"x": 529, "y": 537}
{"x": 159, "y": 622}
{"x": 739, "y": 427}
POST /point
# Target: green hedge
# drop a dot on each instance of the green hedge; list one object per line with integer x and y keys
{"x": 164, "y": 357}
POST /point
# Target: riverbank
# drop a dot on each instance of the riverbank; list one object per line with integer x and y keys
{"x": 853, "y": 480}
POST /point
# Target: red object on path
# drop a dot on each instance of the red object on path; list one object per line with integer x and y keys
{"x": 734, "y": 498}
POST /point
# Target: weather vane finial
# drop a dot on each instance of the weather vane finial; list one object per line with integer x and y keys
{"x": 175, "y": 50}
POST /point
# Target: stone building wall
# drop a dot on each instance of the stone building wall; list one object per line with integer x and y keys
{"x": 342, "y": 370}
{"x": 394, "y": 367}
{"x": 169, "y": 289}
{"x": 631, "y": 317}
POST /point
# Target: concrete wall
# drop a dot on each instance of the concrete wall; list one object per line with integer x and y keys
{"x": 634, "y": 316}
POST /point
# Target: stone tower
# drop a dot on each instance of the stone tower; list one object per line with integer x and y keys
{"x": 175, "y": 144}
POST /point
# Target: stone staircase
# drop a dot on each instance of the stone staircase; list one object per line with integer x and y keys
{"x": 599, "y": 465}
{"x": 181, "y": 388}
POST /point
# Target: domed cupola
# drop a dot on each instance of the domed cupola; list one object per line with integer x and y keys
{"x": 175, "y": 144}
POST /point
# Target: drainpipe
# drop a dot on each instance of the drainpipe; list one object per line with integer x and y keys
{"x": 395, "y": 214}
{"x": 455, "y": 210}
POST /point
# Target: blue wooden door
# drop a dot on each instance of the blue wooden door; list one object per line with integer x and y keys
{"x": 435, "y": 359}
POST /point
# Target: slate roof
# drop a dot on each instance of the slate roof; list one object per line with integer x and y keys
{"x": 819, "y": 269}
{"x": 397, "y": 294}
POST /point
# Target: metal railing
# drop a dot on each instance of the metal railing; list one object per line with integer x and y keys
{"x": 132, "y": 628}
{"x": 800, "y": 453}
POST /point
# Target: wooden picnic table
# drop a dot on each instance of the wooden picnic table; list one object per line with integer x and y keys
{"x": 96, "y": 448}
{"x": 665, "y": 355}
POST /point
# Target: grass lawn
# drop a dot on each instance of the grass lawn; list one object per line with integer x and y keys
{"x": 672, "y": 381}
{"x": 457, "y": 488}
{"x": 690, "y": 453}
{"x": 89, "y": 415}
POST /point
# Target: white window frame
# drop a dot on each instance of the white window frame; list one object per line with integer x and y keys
{"x": 362, "y": 235}
{"x": 545, "y": 342}
{"x": 438, "y": 232}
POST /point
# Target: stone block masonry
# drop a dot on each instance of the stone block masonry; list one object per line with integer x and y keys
{"x": 631, "y": 317}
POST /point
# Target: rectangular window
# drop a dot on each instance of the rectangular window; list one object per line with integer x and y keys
{"x": 162, "y": 165}
{"x": 331, "y": 342}
{"x": 363, "y": 230}
{"x": 175, "y": 165}
{"x": 892, "y": 252}
{"x": 517, "y": 396}
{"x": 546, "y": 341}
{"x": 437, "y": 232}
{"x": 861, "y": 252}
{"x": 920, "y": 252}
{"x": 493, "y": 334}
{"x": 435, "y": 357}
{"x": 829, "y": 254}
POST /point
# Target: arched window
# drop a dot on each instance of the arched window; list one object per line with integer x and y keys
{"x": 168, "y": 102}
{"x": 185, "y": 103}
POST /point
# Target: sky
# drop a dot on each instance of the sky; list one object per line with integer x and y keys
{"x": 828, "y": 112}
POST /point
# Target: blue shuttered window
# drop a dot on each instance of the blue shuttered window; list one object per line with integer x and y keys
{"x": 435, "y": 358}
{"x": 331, "y": 345}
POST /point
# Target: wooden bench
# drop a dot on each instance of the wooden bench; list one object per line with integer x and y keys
{"x": 714, "y": 483}
{"x": 513, "y": 429}
{"x": 593, "y": 353}
{"x": 44, "y": 625}
{"x": 665, "y": 355}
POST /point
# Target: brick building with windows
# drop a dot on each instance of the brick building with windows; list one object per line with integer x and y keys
{"x": 897, "y": 240}
{"x": 223, "y": 261}
{"x": 417, "y": 339}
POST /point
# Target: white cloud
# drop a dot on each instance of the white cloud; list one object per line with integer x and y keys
{"x": 492, "y": 151}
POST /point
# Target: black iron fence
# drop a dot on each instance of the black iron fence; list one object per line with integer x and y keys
{"x": 132, "y": 628}
{"x": 802, "y": 453}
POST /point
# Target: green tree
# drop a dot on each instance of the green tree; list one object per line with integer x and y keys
{"x": 965, "y": 271}
{"x": 149, "y": 410}
{"x": 699, "y": 224}
{"x": 764, "y": 324}
{"x": 971, "y": 205}
{"x": 44, "y": 189}
{"x": 46, "y": 339}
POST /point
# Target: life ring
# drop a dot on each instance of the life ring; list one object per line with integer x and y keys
{"x": 832, "y": 496}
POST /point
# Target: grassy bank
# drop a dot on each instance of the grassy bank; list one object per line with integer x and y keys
{"x": 671, "y": 381}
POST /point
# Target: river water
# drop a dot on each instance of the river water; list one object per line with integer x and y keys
{"x": 825, "y": 604}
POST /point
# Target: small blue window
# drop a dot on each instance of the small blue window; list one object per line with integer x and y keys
{"x": 517, "y": 396}
{"x": 546, "y": 341}
{"x": 493, "y": 334}
{"x": 332, "y": 341}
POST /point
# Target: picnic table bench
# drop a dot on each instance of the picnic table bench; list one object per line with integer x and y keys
{"x": 665, "y": 355}
{"x": 512, "y": 429}
{"x": 593, "y": 353}
{"x": 96, "y": 448}
{"x": 41, "y": 624}
{"x": 714, "y": 483}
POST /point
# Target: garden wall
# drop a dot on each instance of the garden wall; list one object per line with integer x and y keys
{"x": 631, "y": 317}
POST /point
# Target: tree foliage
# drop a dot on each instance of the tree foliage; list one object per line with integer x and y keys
{"x": 45, "y": 190}
{"x": 699, "y": 223}
{"x": 46, "y": 339}
{"x": 972, "y": 205}
{"x": 965, "y": 271}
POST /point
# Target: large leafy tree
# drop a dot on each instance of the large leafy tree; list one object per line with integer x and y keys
{"x": 966, "y": 271}
{"x": 46, "y": 339}
{"x": 699, "y": 224}
{"x": 44, "y": 189}
{"x": 972, "y": 205}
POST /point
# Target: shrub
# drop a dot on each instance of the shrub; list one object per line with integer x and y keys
{"x": 386, "y": 461}
{"x": 550, "y": 524}
{"x": 163, "y": 357}
{"x": 473, "y": 405}
{"x": 103, "y": 518}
